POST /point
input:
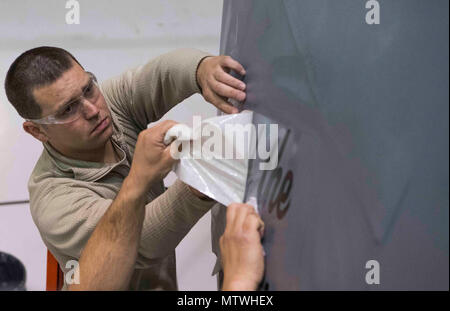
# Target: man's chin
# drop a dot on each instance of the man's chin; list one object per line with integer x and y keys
{"x": 103, "y": 138}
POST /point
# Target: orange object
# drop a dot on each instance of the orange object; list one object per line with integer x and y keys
{"x": 55, "y": 276}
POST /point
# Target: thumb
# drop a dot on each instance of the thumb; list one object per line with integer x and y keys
{"x": 171, "y": 153}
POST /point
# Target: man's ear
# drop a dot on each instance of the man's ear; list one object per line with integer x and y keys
{"x": 36, "y": 131}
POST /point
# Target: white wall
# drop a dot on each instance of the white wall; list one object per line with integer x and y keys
{"x": 111, "y": 37}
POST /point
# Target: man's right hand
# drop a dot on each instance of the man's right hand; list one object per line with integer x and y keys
{"x": 241, "y": 249}
{"x": 118, "y": 232}
{"x": 152, "y": 160}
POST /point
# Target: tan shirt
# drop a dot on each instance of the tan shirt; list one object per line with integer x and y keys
{"x": 68, "y": 197}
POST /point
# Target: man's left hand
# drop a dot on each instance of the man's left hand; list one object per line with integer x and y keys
{"x": 218, "y": 85}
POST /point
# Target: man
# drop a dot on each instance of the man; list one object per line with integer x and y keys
{"x": 241, "y": 249}
{"x": 108, "y": 260}
{"x": 90, "y": 134}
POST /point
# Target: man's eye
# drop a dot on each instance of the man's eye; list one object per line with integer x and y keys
{"x": 89, "y": 91}
{"x": 67, "y": 110}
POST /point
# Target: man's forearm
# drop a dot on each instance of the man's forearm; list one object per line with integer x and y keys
{"x": 108, "y": 260}
{"x": 168, "y": 219}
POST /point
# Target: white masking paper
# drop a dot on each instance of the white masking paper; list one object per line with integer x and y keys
{"x": 216, "y": 162}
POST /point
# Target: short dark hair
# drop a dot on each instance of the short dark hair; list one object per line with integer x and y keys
{"x": 35, "y": 68}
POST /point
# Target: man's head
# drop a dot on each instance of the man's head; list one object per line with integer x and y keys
{"x": 40, "y": 83}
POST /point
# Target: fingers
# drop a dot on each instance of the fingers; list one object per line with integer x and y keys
{"x": 218, "y": 85}
{"x": 243, "y": 218}
{"x": 254, "y": 224}
{"x": 161, "y": 130}
{"x": 230, "y": 80}
{"x": 229, "y": 62}
{"x": 221, "y": 103}
{"x": 243, "y": 211}
{"x": 261, "y": 228}
{"x": 228, "y": 91}
{"x": 164, "y": 126}
{"x": 171, "y": 155}
{"x": 231, "y": 215}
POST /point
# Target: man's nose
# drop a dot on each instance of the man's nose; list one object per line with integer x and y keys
{"x": 89, "y": 109}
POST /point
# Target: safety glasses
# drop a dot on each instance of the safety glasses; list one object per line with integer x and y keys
{"x": 72, "y": 111}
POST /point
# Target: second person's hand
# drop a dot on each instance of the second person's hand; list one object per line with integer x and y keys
{"x": 241, "y": 249}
